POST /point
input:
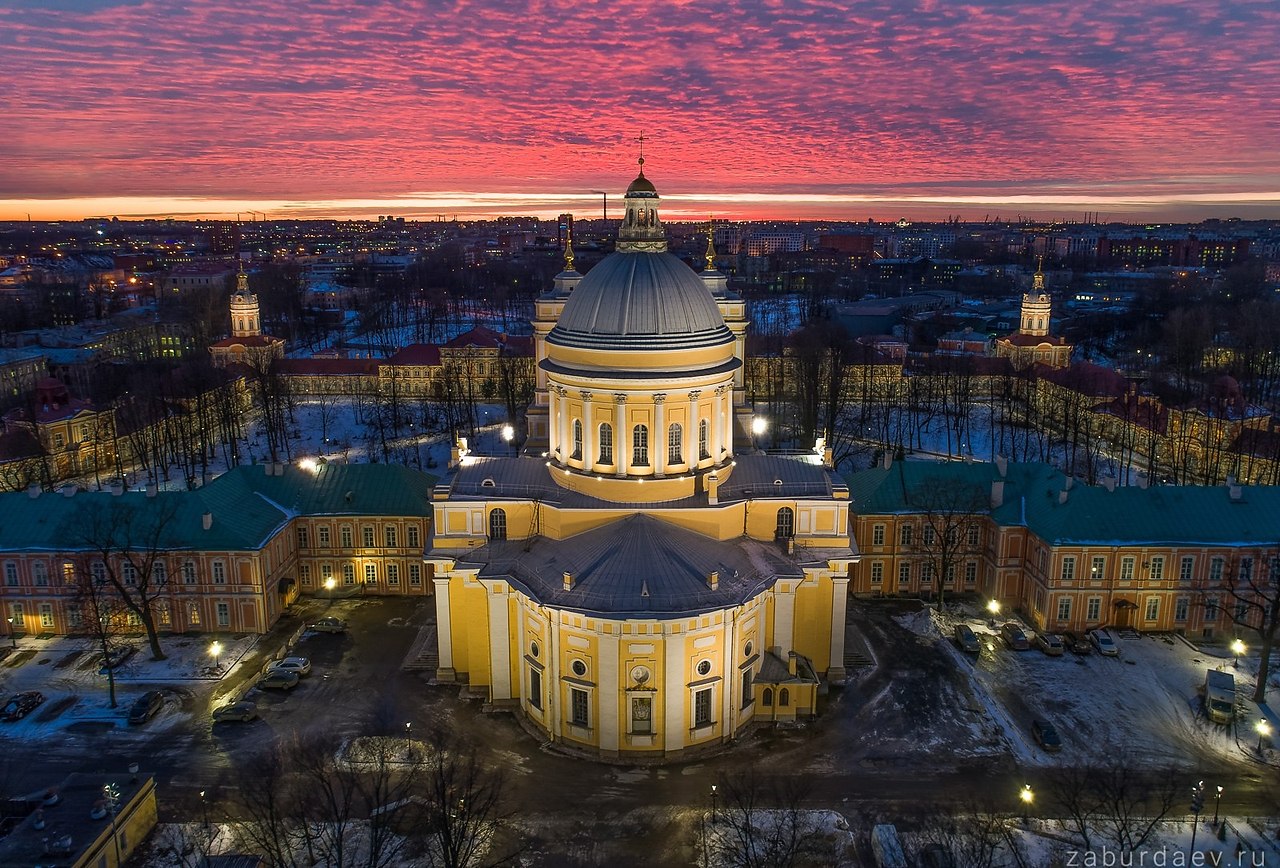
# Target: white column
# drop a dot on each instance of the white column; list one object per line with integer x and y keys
{"x": 784, "y": 616}
{"x": 675, "y": 724}
{"x": 621, "y": 436}
{"x": 588, "y": 433}
{"x": 610, "y": 696}
{"x": 726, "y": 427}
{"x": 691, "y": 442}
{"x": 732, "y": 677}
{"x": 659, "y": 434}
{"x": 553, "y": 429}
{"x": 499, "y": 644}
{"x": 565, "y": 446}
{"x": 839, "y": 597}
{"x": 444, "y": 629}
{"x": 717, "y": 425}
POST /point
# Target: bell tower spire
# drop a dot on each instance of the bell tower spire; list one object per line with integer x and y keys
{"x": 641, "y": 230}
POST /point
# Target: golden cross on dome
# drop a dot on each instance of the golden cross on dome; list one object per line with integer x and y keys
{"x": 640, "y": 139}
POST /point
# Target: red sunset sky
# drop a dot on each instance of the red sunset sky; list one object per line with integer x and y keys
{"x": 788, "y": 108}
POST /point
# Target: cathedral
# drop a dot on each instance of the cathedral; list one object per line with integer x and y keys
{"x": 247, "y": 345}
{"x": 641, "y": 582}
{"x": 1032, "y": 344}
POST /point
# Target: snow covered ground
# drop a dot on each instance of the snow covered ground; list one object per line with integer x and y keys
{"x": 1146, "y": 703}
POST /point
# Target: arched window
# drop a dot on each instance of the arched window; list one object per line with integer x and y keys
{"x": 577, "y": 439}
{"x": 786, "y": 523}
{"x": 497, "y": 524}
{"x": 704, "y": 438}
{"x": 675, "y": 444}
{"x": 640, "y": 446}
{"x": 606, "y": 443}
{"x": 784, "y": 697}
{"x": 767, "y": 698}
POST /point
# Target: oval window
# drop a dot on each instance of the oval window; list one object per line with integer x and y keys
{"x": 579, "y": 668}
{"x": 704, "y": 667}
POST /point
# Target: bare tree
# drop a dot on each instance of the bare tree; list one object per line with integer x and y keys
{"x": 951, "y": 529}
{"x": 1251, "y": 591}
{"x": 1132, "y": 804}
{"x": 100, "y": 612}
{"x": 972, "y": 839}
{"x": 125, "y": 541}
{"x": 464, "y": 797}
{"x": 762, "y": 823}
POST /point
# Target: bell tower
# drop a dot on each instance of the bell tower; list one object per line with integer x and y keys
{"x": 245, "y": 322}
{"x": 1036, "y": 306}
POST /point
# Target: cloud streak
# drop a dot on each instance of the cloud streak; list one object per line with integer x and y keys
{"x": 899, "y": 101}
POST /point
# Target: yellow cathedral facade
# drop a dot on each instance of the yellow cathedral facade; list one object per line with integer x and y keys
{"x": 641, "y": 582}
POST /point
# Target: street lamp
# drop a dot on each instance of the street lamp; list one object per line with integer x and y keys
{"x": 111, "y": 795}
{"x": 1217, "y": 800}
{"x": 214, "y": 651}
{"x": 1027, "y": 797}
{"x": 993, "y": 609}
{"x": 204, "y": 809}
{"x": 13, "y": 631}
{"x": 328, "y": 586}
{"x": 509, "y": 435}
{"x": 1264, "y": 731}
{"x": 1237, "y": 648}
{"x": 714, "y": 795}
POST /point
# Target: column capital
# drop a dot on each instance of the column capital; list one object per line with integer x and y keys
{"x": 720, "y": 390}
{"x": 695, "y": 394}
{"x": 620, "y": 397}
{"x": 586, "y": 396}
{"x": 660, "y": 397}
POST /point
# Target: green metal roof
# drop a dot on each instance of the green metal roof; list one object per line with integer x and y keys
{"x": 1091, "y": 515}
{"x": 247, "y": 505}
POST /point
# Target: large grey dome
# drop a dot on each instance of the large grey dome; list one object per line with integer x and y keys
{"x": 640, "y": 301}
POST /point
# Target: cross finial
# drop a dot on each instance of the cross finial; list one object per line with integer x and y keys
{"x": 640, "y": 139}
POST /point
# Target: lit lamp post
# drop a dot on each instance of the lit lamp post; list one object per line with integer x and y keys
{"x": 993, "y": 609}
{"x": 509, "y": 435}
{"x": 714, "y": 796}
{"x": 1264, "y": 731}
{"x": 215, "y": 650}
{"x": 111, "y": 796}
{"x": 759, "y": 425}
{"x": 1237, "y": 649}
{"x": 13, "y": 631}
{"x": 1027, "y": 797}
{"x": 328, "y": 586}
{"x": 1217, "y": 800}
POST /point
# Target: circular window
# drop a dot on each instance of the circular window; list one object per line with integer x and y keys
{"x": 640, "y": 674}
{"x": 534, "y": 649}
{"x": 747, "y": 649}
{"x": 579, "y": 668}
{"x": 704, "y": 667}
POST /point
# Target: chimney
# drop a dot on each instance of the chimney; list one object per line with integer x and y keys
{"x": 1002, "y": 466}
{"x": 152, "y": 489}
{"x": 828, "y": 458}
{"x": 791, "y": 663}
{"x": 997, "y": 493}
{"x": 1063, "y": 495}
{"x": 69, "y": 490}
{"x": 1109, "y": 483}
{"x": 713, "y": 580}
{"x": 713, "y": 487}
{"x": 1070, "y": 483}
{"x": 568, "y": 580}
{"x": 206, "y": 520}
{"x": 789, "y": 545}
{"x": 1231, "y": 479}
{"x": 1234, "y": 492}
{"x": 34, "y": 490}
{"x": 1143, "y": 482}
{"x": 887, "y": 461}
{"x": 117, "y": 489}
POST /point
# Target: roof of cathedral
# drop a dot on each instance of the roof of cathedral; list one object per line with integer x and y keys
{"x": 638, "y": 565}
{"x": 1020, "y": 340}
{"x": 641, "y": 300}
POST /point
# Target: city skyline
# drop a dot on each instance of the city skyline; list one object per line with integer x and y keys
{"x": 750, "y": 110}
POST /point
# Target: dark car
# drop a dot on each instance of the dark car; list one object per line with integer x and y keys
{"x": 1013, "y": 636}
{"x": 1046, "y": 735}
{"x": 1077, "y": 644}
{"x": 278, "y": 679}
{"x": 21, "y": 704}
{"x": 1050, "y": 644}
{"x": 147, "y": 706}
{"x": 329, "y": 625}
{"x": 967, "y": 640}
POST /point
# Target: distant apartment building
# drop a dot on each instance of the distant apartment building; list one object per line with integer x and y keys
{"x": 767, "y": 242}
{"x": 198, "y": 277}
{"x": 1142, "y": 251}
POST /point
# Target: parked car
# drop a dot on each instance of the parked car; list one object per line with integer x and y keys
{"x": 115, "y": 659}
{"x": 298, "y": 665}
{"x": 278, "y": 679}
{"x": 1013, "y": 636}
{"x": 967, "y": 640}
{"x": 1046, "y": 736}
{"x": 242, "y": 712}
{"x": 21, "y": 704}
{"x": 1102, "y": 640}
{"x": 1050, "y": 644}
{"x": 329, "y": 625}
{"x": 146, "y": 707}
{"x": 1077, "y": 645}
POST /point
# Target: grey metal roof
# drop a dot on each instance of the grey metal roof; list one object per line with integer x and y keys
{"x": 765, "y": 475}
{"x": 638, "y": 566}
{"x": 634, "y": 300}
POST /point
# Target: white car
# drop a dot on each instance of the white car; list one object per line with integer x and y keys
{"x": 297, "y": 665}
{"x": 1102, "y": 640}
